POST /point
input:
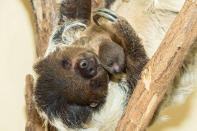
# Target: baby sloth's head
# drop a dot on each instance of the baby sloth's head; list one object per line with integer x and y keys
{"x": 70, "y": 75}
{"x": 112, "y": 57}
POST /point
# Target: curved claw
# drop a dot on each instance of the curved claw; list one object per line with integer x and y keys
{"x": 59, "y": 33}
{"x": 57, "y": 36}
{"x": 105, "y": 13}
{"x": 70, "y": 26}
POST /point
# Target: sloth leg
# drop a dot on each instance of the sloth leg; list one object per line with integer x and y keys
{"x": 74, "y": 16}
{"x": 122, "y": 33}
{"x": 65, "y": 34}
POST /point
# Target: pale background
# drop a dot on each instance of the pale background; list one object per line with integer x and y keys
{"x": 17, "y": 57}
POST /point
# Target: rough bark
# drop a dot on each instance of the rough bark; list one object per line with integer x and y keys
{"x": 161, "y": 70}
{"x": 44, "y": 20}
{"x": 33, "y": 121}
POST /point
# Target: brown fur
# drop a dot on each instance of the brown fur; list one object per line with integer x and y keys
{"x": 112, "y": 57}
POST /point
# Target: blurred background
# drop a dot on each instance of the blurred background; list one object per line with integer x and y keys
{"x": 17, "y": 57}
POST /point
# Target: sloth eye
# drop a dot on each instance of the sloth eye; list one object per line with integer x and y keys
{"x": 83, "y": 64}
{"x": 66, "y": 63}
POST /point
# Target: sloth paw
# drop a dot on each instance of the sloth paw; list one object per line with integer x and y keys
{"x": 104, "y": 13}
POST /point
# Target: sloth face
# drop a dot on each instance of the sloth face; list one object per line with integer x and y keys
{"x": 71, "y": 74}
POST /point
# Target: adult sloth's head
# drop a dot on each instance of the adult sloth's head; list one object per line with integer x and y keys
{"x": 72, "y": 74}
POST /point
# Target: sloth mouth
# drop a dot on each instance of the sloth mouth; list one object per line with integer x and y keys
{"x": 101, "y": 79}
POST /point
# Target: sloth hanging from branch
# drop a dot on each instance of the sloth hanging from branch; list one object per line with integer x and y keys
{"x": 74, "y": 88}
{"x": 92, "y": 64}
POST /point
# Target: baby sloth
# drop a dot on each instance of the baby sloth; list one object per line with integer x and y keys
{"x": 73, "y": 91}
{"x": 112, "y": 57}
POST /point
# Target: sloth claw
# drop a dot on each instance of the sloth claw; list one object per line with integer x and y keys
{"x": 57, "y": 36}
{"x": 105, "y": 13}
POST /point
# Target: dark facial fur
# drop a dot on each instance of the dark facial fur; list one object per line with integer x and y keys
{"x": 69, "y": 80}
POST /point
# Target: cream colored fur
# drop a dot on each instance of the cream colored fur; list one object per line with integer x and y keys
{"x": 107, "y": 118}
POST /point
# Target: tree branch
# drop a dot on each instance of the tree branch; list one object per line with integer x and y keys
{"x": 161, "y": 70}
{"x": 34, "y": 123}
{"x": 44, "y": 19}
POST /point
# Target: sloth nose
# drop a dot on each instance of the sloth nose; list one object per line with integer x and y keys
{"x": 88, "y": 68}
{"x": 116, "y": 68}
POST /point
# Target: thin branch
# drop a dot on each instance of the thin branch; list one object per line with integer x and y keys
{"x": 34, "y": 123}
{"x": 44, "y": 19}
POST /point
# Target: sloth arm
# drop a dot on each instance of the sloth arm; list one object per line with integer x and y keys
{"x": 122, "y": 33}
